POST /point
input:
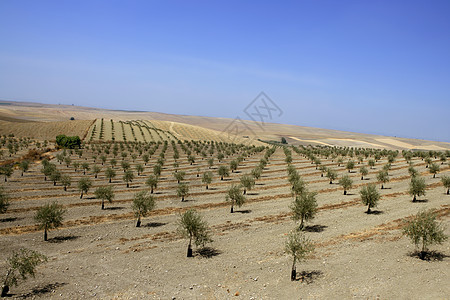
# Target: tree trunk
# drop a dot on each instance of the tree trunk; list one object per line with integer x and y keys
{"x": 232, "y": 210}
{"x": 54, "y": 183}
{"x": 414, "y": 198}
{"x": 382, "y": 186}
{"x": 221, "y": 177}
{"x": 189, "y": 251}
{"x": 206, "y": 186}
{"x": 448, "y": 191}
{"x": 65, "y": 188}
{"x": 293, "y": 272}
{"x": 103, "y": 204}
{"x": 362, "y": 177}
{"x": 138, "y": 223}
{"x": 368, "y": 209}
{"x": 182, "y": 199}
{"x": 434, "y": 175}
{"x": 128, "y": 185}
{"x": 45, "y": 234}
{"x": 151, "y": 191}
{"x": 245, "y": 191}
{"x": 331, "y": 181}
{"x": 345, "y": 192}
{"x": 81, "y": 196}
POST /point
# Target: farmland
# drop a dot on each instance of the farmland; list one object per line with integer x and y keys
{"x": 101, "y": 254}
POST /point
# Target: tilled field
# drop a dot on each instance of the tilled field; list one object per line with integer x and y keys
{"x": 101, "y": 254}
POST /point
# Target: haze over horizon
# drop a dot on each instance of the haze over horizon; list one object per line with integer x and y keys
{"x": 379, "y": 68}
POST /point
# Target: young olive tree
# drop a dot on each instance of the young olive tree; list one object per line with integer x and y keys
{"x": 446, "y": 182}
{"x": 424, "y": 230}
{"x": 331, "y": 174}
{"x": 49, "y": 216}
{"x": 383, "y": 177}
{"x": 304, "y": 207}
{"x": 248, "y": 182}
{"x": 223, "y": 172}
{"x": 84, "y": 184}
{"x": 346, "y": 182}
{"x": 299, "y": 246}
{"x": 4, "y": 200}
{"x": 434, "y": 169}
{"x": 182, "y": 191}
{"x": 369, "y": 196}
{"x": 235, "y": 196}
{"x": 142, "y": 204}
{"x": 363, "y": 170}
{"x": 24, "y": 166}
{"x": 192, "y": 226}
{"x": 152, "y": 182}
{"x": 179, "y": 176}
{"x": 207, "y": 178}
{"x": 128, "y": 177}
{"x": 417, "y": 187}
{"x": 20, "y": 265}
{"x": 104, "y": 193}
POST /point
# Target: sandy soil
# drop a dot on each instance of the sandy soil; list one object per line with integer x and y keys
{"x": 102, "y": 255}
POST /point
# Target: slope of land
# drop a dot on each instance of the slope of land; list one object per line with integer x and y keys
{"x": 247, "y": 130}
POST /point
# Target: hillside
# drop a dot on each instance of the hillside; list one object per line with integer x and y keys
{"x": 193, "y": 127}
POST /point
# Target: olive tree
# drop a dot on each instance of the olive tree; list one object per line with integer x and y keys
{"x": 350, "y": 165}
{"x": 66, "y": 181}
{"x": 95, "y": 170}
{"x": 235, "y": 196}
{"x": 346, "y": 182}
{"x": 192, "y": 226}
{"x": 304, "y": 207}
{"x": 152, "y": 182}
{"x": 331, "y": 174}
{"x": 142, "y": 204}
{"x": 383, "y": 177}
{"x": 207, "y": 178}
{"x": 417, "y": 187}
{"x": 299, "y": 246}
{"x": 7, "y": 171}
{"x": 110, "y": 174}
{"x": 446, "y": 182}
{"x": 128, "y": 177}
{"x": 182, "y": 191}
{"x": 434, "y": 169}
{"x": 424, "y": 230}
{"x": 20, "y": 265}
{"x": 223, "y": 172}
{"x": 24, "y": 166}
{"x": 248, "y": 182}
{"x": 49, "y": 216}
{"x": 4, "y": 200}
{"x": 369, "y": 196}
{"x": 412, "y": 171}
{"x": 84, "y": 184}
{"x": 104, "y": 193}
{"x": 179, "y": 176}
{"x": 363, "y": 170}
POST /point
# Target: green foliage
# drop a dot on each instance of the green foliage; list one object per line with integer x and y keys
{"x": 49, "y": 216}
{"x": 84, "y": 184}
{"x": 412, "y": 171}
{"x": 6, "y": 170}
{"x": 363, "y": 170}
{"x": 110, "y": 174}
{"x": 423, "y": 229}
{"x": 104, "y": 193}
{"x": 446, "y": 182}
{"x": 331, "y": 174}
{"x": 207, "y": 178}
{"x": 369, "y": 196}
{"x": 152, "y": 182}
{"x": 235, "y": 196}
{"x": 248, "y": 182}
{"x": 182, "y": 191}
{"x": 66, "y": 181}
{"x": 434, "y": 169}
{"x": 95, "y": 170}
{"x": 417, "y": 187}
{"x": 128, "y": 177}
{"x": 223, "y": 171}
{"x": 383, "y": 177}
{"x": 346, "y": 182}
{"x": 142, "y": 204}
{"x": 192, "y": 226}
{"x": 4, "y": 200}
{"x": 20, "y": 265}
{"x": 299, "y": 246}
{"x": 350, "y": 165}
{"x": 179, "y": 176}
{"x": 70, "y": 142}
{"x": 24, "y": 166}
{"x": 304, "y": 207}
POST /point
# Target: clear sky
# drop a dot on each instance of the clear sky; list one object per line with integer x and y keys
{"x": 378, "y": 67}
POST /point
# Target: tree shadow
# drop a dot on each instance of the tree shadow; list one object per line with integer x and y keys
{"x": 253, "y": 194}
{"x": 114, "y": 208}
{"x": 420, "y": 201}
{"x": 10, "y": 219}
{"x": 308, "y": 276}
{"x": 154, "y": 224}
{"x": 158, "y": 193}
{"x": 260, "y": 183}
{"x": 42, "y": 291}
{"x": 429, "y": 255}
{"x": 61, "y": 239}
{"x": 134, "y": 186}
{"x": 208, "y": 252}
{"x": 245, "y": 211}
{"x": 366, "y": 178}
{"x": 315, "y": 228}
{"x": 350, "y": 194}
{"x": 375, "y": 212}
{"x": 226, "y": 179}
{"x": 386, "y": 188}
{"x": 212, "y": 188}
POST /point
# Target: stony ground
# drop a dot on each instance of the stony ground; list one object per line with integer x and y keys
{"x": 100, "y": 254}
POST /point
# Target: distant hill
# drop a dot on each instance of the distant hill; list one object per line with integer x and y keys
{"x": 189, "y": 127}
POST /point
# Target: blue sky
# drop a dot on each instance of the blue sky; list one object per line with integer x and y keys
{"x": 378, "y": 67}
